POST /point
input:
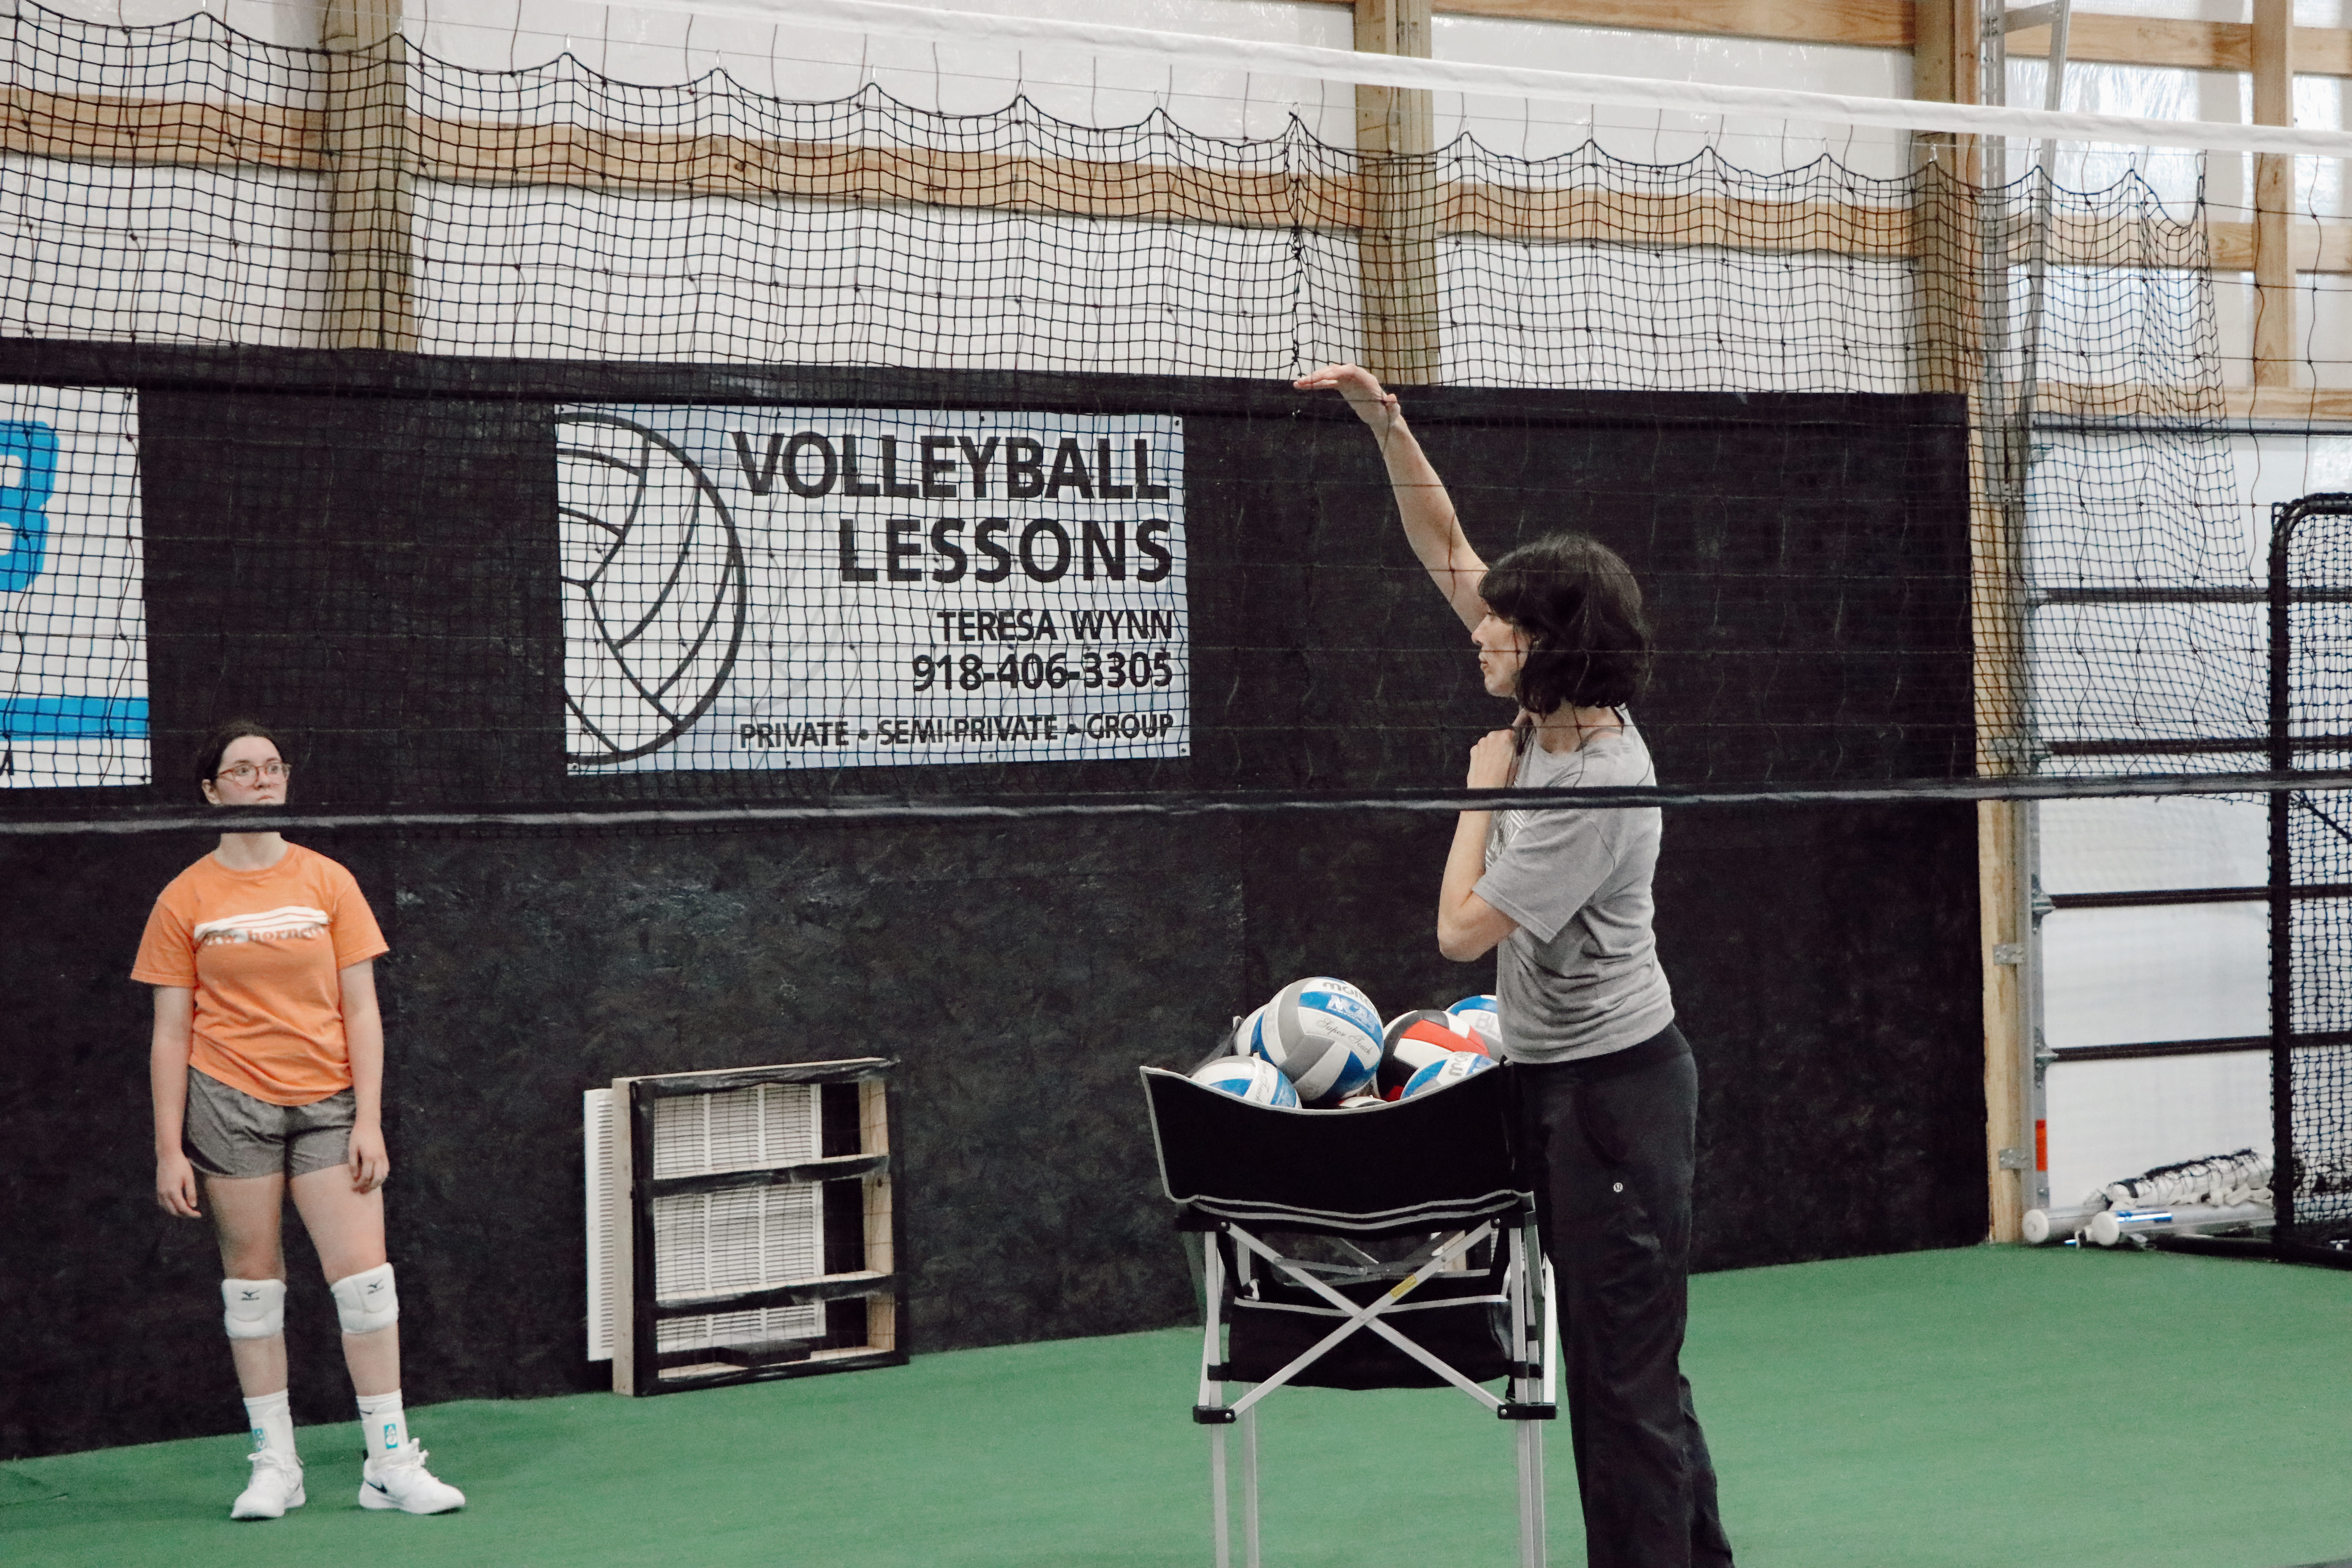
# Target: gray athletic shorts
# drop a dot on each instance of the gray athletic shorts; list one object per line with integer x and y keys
{"x": 228, "y": 1133}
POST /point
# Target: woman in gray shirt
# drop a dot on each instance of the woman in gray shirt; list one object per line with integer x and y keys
{"x": 1607, "y": 1093}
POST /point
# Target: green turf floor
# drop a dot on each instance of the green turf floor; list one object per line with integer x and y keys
{"x": 1980, "y": 1407}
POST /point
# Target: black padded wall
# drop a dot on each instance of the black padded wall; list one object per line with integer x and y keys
{"x": 374, "y": 571}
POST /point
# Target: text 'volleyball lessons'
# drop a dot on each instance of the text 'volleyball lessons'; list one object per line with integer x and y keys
{"x": 73, "y": 621}
{"x": 829, "y": 587}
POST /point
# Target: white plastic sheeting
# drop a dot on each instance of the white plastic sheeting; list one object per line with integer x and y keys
{"x": 2145, "y": 845}
{"x": 2105, "y": 1117}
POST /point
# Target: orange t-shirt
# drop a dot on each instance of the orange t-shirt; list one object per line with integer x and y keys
{"x": 261, "y": 950}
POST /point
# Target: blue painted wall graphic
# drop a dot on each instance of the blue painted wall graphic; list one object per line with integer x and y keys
{"x": 73, "y": 635}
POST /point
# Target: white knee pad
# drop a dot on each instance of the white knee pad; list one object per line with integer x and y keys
{"x": 253, "y": 1309}
{"x": 366, "y": 1302}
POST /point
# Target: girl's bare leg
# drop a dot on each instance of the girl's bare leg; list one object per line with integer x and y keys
{"x": 246, "y": 1219}
{"x": 347, "y": 1228}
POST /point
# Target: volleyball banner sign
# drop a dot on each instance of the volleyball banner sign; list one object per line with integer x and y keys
{"x": 760, "y": 587}
{"x": 73, "y": 619}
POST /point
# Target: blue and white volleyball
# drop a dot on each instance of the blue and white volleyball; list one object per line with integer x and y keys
{"x": 1240, "y": 1043}
{"x": 1457, "y": 1065}
{"x": 1413, "y": 1040}
{"x": 1323, "y": 1034}
{"x": 1251, "y": 1078}
{"x": 1479, "y": 1013}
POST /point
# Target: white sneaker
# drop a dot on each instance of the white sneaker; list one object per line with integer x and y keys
{"x": 276, "y": 1486}
{"x": 399, "y": 1480}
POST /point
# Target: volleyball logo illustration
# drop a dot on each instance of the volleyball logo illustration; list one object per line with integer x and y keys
{"x": 654, "y": 595}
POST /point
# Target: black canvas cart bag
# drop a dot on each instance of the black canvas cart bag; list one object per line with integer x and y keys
{"x": 1388, "y": 1246}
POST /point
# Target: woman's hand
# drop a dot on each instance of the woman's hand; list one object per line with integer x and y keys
{"x": 1491, "y": 760}
{"x": 1359, "y": 386}
{"x": 370, "y": 1162}
{"x": 175, "y": 1186}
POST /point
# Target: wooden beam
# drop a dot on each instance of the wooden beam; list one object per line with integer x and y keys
{"x": 2274, "y": 72}
{"x": 2000, "y": 828}
{"x": 1396, "y": 247}
{"x": 2157, "y": 400}
{"x": 1944, "y": 55}
{"x": 1867, "y": 24}
{"x": 2289, "y": 404}
{"x": 2324, "y": 246}
{"x": 363, "y": 142}
{"x": 2099, "y": 39}
{"x": 198, "y": 134}
{"x": 95, "y": 128}
{"x": 2093, "y": 38}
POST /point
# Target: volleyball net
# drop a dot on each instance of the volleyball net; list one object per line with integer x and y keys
{"x": 802, "y": 434}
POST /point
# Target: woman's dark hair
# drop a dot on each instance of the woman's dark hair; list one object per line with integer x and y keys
{"x": 205, "y": 761}
{"x": 1587, "y": 640}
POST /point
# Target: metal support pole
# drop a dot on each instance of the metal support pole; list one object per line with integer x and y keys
{"x": 1531, "y": 1508}
{"x": 1220, "y": 1515}
{"x": 1212, "y": 1392}
{"x": 1249, "y": 1488}
{"x": 2281, "y": 878}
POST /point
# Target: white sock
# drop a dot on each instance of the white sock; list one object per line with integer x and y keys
{"x": 383, "y": 1427}
{"x": 272, "y": 1420}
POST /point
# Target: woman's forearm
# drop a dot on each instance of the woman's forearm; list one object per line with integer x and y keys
{"x": 167, "y": 1063}
{"x": 1462, "y": 917}
{"x": 363, "y": 1037}
{"x": 1431, "y": 524}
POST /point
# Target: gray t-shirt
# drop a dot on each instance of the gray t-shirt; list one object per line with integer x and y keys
{"x": 1581, "y": 976}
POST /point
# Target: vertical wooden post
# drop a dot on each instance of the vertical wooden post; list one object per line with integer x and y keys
{"x": 1397, "y": 246}
{"x": 2274, "y": 72}
{"x": 1947, "y": 313}
{"x": 371, "y": 297}
{"x": 1950, "y": 234}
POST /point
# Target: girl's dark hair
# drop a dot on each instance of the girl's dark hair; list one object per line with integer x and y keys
{"x": 1587, "y": 640}
{"x": 205, "y": 761}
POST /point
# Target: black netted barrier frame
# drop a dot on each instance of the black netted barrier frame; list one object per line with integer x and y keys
{"x": 552, "y": 214}
{"x": 2311, "y": 876}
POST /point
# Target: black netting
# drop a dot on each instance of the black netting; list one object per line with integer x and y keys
{"x": 2315, "y": 567}
{"x": 696, "y": 361}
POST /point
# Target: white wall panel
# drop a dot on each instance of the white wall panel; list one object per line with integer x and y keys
{"x": 666, "y": 48}
{"x": 1614, "y": 316}
{"x": 2111, "y": 1120}
{"x": 292, "y": 22}
{"x": 125, "y": 251}
{"x": 1540, "y": 130}
{"x": 586, "y": 274}
{"x": 2134, "y": 846}
{"x": 2149, "y": 671}
{"x": 2194, "y": 972}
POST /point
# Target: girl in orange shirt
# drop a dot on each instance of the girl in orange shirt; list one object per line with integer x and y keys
{"x": 268, "y": 1069}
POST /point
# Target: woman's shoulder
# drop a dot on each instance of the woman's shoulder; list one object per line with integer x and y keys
{"x": 303, "y": 862}
{"x": 1609, "y": 760}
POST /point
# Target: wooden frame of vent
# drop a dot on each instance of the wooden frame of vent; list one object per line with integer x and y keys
{"x": 636, "y": 1365}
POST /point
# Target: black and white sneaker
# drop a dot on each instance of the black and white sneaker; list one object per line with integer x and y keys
{"x": 399, "y": 1480}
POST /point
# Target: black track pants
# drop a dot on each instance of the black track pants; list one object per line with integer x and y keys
{"x": 1609, "y": 1142}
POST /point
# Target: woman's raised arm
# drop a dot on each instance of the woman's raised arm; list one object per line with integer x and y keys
{"x": 1430, "y": 523}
